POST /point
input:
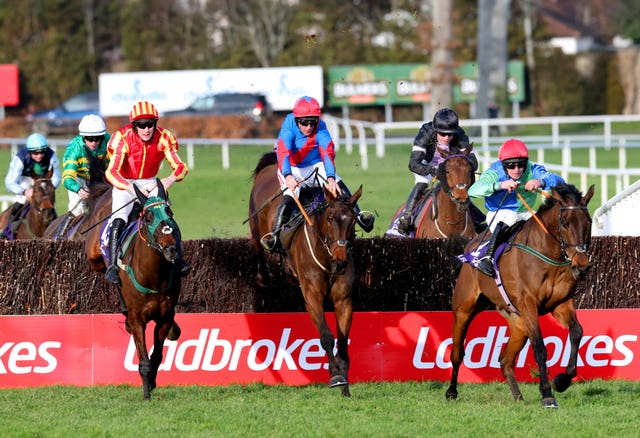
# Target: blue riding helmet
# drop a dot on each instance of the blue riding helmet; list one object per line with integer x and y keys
{"x": 36, "y": 142}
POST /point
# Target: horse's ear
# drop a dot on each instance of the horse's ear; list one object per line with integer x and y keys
{"x": 587, "y": 197}
{"x": 142, "y": 198}
{"x": 328, "y": 195}
{"x": 161, "y": 191}
{"x": 49, "y": 174}
{"x": 356, "y": 196}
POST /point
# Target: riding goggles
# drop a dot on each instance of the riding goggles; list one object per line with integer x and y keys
{"x": 512, "y": 164}
{"x": 307, "y": 121}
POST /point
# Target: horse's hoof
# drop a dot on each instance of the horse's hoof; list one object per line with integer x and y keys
{"x": 337, "y": 381}
{"x": 345, "y": 391}
{"x": 549, "y": 402}
{"x": 561, "y": 382}
{"x": 174, "y": 332}
{"x": 452, "y": 395}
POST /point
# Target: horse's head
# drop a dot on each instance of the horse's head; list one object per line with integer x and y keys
{"x": 43, "y": 198}
{"x": 574, "y": 226}
{"x": 337, "y": 225}
{"x": 156, "y": 225}
{"x": 456, "y": 175}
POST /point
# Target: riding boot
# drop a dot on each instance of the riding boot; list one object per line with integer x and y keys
{"x": 183, "y": 267}
{"x": 365, "y": 219}
{"x": 486, "y": 263}
{"x": 271, "y": 241}
{"x": 478, "y": 218}
{"x": 405, "y": 224}
{"x": 64, "y": 224}
{"x": 14, "y": 220}
{"x": 112, "y": 274}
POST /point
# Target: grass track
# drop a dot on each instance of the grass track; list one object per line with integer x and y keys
{"x": 408, "y": 409}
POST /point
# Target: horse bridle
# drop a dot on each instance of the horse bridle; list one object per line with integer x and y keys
{"x": 167, "y": 228}
{"x": 45, "y": 197}
{"x": 461, "y": 206}
{"x": 580, "y": 247}
{"x": 326, "y": 243}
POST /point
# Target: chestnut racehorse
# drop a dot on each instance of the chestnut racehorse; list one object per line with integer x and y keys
{"x": 539, "y": 271}
{"x": 318, "y": 254}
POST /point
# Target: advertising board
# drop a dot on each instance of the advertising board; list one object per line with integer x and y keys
{"x": 283, "y": 348}
{"x": 177, "y": 89}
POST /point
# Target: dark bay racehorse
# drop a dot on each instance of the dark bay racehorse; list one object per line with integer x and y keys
{"x": 539, "y": 274}
{"x": 319, "y": 255}
{"x": 41, "y": 209}
{"x": 150, "y": 284}
{"x": 445, "y": 210}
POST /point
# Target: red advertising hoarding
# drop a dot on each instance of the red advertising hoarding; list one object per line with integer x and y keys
{"x": 221, "y": 349}
{"x": 9, "y": 85}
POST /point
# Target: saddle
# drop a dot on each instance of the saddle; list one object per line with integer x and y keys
{"x": 312, "y": 199}
{"x": 504, "y": 242}
{"x": 425, "y": 204}
{"x": 127, "y": 233}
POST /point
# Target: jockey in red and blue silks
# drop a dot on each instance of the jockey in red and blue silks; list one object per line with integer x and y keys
{"x": 306, "y": 157}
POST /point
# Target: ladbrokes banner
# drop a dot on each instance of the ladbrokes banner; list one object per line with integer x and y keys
{"x": 220, "y": 349}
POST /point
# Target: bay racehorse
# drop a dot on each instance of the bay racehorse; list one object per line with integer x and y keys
{"x": 150, "y": 284}
{"x": 318, "y": 254}
{"x": 444, "y": 211}
{"x": 538, "y": 273}
{"x": 40, "y": 211}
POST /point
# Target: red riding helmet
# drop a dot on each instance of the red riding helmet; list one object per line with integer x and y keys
{"x": 143, "y": 110}
{"x": 513, "y": 148}
{"x": 306, "y": 107}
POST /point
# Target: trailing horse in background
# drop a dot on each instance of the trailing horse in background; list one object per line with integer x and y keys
{"x": 444, "y": 211}
{"x": 38, "y": 213}
{"x": 150, "y": 281}
{"x": 537, "y": 275}
{"x": 318, "y": 253}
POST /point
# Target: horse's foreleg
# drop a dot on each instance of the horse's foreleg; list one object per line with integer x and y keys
{"x": 566, "y": 315}
{"x": 159, "y": 335}
{"x": 344, "y": 316}
{"x": 517, "y": 339}
{"x": 540, "y": 355}
{"x": 263, "y": 276}
{"x": 138, "y": 332}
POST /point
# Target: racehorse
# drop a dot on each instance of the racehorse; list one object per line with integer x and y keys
{"x": 72, "y": 229}
{"x": 538, "y": 271}
{"x": 150, "y": 286}
{"x": 319, "y": 255}
{"x": 445, "y": 209}
{"x": 39, "y": 213}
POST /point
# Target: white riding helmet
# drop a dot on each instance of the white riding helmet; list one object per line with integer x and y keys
{"x": 36, "y": 142}
{"x": 92, "y": 125}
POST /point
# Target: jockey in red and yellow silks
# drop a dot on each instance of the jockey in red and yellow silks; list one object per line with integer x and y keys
{"x": 137, "y": 151}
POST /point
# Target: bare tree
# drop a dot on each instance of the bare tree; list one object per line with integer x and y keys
{"x": 263, "y": 24}
{"x": 442, "y": 57}
{"x": 493, "y": 17}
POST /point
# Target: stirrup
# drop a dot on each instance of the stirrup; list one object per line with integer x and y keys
{"x": 366, "y": 220}
{"x": 113, "y": 275}
{"x": 485, "y": 265}
{"x": 404, "y": 223}
{"x": 269, "y": 242}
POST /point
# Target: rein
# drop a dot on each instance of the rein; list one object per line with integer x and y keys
{"x": 580, "y": 247}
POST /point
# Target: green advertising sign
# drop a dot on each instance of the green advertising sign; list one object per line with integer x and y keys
{"x": 399, "y": 84}
{"x": 467, "y": 88}
{"x": 379, "y": 84}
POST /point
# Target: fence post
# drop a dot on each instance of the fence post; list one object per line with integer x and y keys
{"x": 225, "y": 154}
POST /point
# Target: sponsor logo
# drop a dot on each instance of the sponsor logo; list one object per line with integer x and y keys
{"x": 484, "y": 351}
{"x": 26, "y": 357}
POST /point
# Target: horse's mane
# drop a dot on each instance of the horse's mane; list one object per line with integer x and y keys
{"x": 267, "y": 159}
{"x": 566, "y": 191}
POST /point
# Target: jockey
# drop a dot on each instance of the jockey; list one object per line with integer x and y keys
{"x": 85, "y": 160}
{"x": 440, "y": 134}
{"x": 136, "y": 152}
{"x": 511, "y": 175}
{"x": 305, "y": 146}
{"x": 36, "y": 158}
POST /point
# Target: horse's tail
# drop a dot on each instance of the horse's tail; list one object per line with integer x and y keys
{"x": 267, "y": 159}
{"x": 454, "y": 246}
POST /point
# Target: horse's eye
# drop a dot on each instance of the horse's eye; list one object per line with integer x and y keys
{"x": 148, "y": 217}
